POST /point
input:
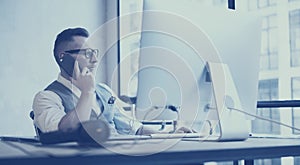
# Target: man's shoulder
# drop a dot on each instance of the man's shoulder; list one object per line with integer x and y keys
{"x": 41, "y": 95}
{"x": 105, "y": 87}
{"x": 56, "y": 86}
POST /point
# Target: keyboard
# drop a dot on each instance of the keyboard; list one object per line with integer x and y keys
{"x": 175, "y": 135}
{"x": 155, "y": 136}
{"x": 129, "y": 137}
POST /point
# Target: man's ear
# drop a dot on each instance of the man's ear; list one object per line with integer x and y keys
{"x": 61, "y": 55}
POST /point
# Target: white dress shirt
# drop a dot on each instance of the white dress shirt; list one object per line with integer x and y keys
{"x": 48, "y": 108}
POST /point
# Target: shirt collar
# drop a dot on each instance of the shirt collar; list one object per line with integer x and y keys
{"x": 69, "y": 85}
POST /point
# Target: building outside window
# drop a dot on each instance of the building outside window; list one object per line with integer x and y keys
{"x": 294, "y": 17}
{"x": 260, "y": 4}
{"x": 296, "y": 96}
{"x": 268, "y": 90}
{"x": 269, "y": 48}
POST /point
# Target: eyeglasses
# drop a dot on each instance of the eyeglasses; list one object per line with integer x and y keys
{"x": 87, "y": 52}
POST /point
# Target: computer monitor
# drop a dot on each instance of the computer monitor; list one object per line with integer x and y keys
{"x": 179, "y": 39}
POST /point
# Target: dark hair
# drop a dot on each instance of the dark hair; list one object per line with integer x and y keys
{"x": 67, "y": 35}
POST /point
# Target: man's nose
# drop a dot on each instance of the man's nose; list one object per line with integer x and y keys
{"x": 94, "y": 58}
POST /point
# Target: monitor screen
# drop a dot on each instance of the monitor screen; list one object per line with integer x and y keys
{"x": 177, "y": 42}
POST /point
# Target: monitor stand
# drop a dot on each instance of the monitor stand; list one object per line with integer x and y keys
{"x": 232, "y": 124}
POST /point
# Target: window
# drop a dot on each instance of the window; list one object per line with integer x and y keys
{"x": 294, "y": 17}
{"x": 269, "y": 43}
{"x": 268, "y": 90}
{"x": 220, "y": 2}
{"x": 276, "y": 161}
{"x": 296, "y": 96}
{"x": 259, "y": 4}
{"x": 297, "y": 160}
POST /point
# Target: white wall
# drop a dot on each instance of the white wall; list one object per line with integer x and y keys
{"x": 27, "y": 33}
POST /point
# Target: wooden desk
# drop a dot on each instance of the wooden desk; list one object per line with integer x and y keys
{"x": 180, "y": 152}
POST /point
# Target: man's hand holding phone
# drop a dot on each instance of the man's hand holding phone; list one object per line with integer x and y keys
{"x": 84, "y": 79}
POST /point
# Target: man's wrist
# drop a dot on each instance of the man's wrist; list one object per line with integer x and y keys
{"x": 144, "y": 130}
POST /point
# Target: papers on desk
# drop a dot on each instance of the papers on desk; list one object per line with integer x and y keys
{"x": 258, "y": 135}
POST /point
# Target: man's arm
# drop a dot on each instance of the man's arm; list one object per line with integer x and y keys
{"x": 85, "y": 81}
{"x": 48, "y": 111}
{"x": 81, "y": 113}
{"x": 49, "y": 114}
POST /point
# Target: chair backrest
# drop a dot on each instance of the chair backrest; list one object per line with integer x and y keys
{"x": 37, "y": 130}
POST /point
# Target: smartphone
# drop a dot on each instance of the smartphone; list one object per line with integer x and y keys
{"x": 68, "y": 64}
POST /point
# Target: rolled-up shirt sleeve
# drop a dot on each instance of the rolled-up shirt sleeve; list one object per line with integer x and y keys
{"x": 125, "y": 124}
{"x": 48, "y": 111}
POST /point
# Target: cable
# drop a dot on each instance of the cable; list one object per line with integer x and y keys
{"x": 262, "y": 118}
{"x": 162, "y": 108}
{"x": 163, "y": 123}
